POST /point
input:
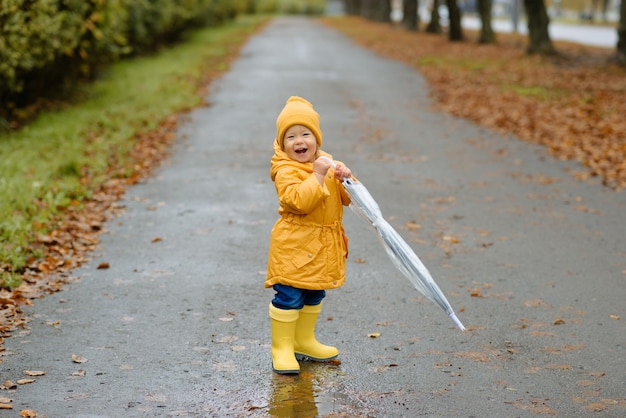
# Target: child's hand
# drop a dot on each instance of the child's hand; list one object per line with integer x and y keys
{"x": 321, "y": 166}
{"x": 341, "y": 171}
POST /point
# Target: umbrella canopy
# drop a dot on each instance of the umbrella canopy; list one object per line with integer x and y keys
{"x": 400, "y": 253}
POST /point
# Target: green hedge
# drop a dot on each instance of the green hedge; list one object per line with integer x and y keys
{"x": 45, "y": 45}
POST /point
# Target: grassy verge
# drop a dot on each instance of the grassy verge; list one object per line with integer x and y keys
{"x": 60, "y": 162}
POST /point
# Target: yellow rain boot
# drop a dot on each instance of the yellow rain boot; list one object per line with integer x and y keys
{"x": 283, "y": 333}
{"x": 306, "y": 345}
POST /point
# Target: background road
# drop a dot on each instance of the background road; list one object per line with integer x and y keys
{"x": 532, "y": 260}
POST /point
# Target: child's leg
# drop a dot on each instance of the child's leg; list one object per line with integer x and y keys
{"x": 306, "y": 345}
{"x": 284, "y": 312}
{"x": 283, "y": 334}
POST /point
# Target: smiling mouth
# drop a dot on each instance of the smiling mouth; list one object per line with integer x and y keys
{"x": 302, "y": 151}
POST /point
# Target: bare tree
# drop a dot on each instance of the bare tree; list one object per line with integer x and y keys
{"x": 410, "y": 19}
{"x": 434, "y": 26}
{"x": 621, "y": 35}
{"x": 353, "y": 7}
{"x": 455, "y": 32}
{"x": 487, "y": 35}
{"x": 538, "y": 21}
{"x": 377, "y": 10}
{"x": 384, "y": 14}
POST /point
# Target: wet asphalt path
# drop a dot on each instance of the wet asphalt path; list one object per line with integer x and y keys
{"x": 532, "y": 260}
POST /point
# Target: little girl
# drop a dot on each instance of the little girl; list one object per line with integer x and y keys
{"x": 308, "y": 244}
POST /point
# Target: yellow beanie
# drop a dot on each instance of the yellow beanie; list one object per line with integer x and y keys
{"x": 298, "y": 111}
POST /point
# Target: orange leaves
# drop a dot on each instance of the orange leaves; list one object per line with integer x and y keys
{"x": 103, "y": 266}
{"x": 573, "y": 105}
{"x": 534, "y": 405}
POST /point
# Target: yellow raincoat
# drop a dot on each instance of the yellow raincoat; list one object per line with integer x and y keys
{"x": 308, "y": 244}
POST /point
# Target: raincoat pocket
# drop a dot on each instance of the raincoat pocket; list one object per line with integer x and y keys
{"x": 307, "y": 253}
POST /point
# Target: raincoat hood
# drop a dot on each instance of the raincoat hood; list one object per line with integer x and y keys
{"x": 298, "y": 111}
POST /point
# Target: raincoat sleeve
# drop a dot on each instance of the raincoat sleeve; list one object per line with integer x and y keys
{"x": 345, "y": 197}
{"x": 298, "y": 195}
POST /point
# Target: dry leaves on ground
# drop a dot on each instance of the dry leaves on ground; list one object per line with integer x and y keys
{"x": 76, "y": 232}
{"x": 573, "y": 103}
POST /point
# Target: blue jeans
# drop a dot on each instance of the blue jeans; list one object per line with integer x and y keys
{"x": 288, "y": 297}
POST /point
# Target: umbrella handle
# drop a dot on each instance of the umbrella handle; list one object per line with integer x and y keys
{"x": 332, "y": 163}
{"x": 334, "y": 166}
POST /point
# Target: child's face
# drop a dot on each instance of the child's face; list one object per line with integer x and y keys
{"x": 300, "y": 144}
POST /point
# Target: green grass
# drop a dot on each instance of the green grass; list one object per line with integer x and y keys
{"x": 537, "y": 92}
{"x": 42, "y": 165}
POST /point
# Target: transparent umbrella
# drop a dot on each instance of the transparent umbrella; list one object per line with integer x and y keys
{"x": 400, "y": 253}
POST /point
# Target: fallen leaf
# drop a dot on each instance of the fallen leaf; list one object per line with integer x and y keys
{"x": 360, "y": 260}
{"x": 156, "y": 239}
{"x": 536, "y": 303}
{"x": 34, "y": 373}
{"x": 453, "y": 240}
{"x": 103, "y": 266}
{"x": 559, "y": 367}
{"x": 542, "y": 334}
{"x": 596, "y": 407}
{"x": 5, "y": 406}
{"x": 412, "y": 226}
{"x": 9, "y": 384}
{"x": 573, "y": 347}
{"x": 559, "y": 322}
{"x": 28, "y": 413}
{"x": 616, "y": 317}
{"x": 78, "y": 359}
{"x": 79, "y": 373}
{"x": 374, "y": 335}
{"x": 25, "y": 381}
{"x": 473, "y": 355}
{"x": 228, "y": 339}
{"x": 5, "y": 400}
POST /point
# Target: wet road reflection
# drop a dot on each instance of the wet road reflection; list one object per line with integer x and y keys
{"x": 315, "y": 392}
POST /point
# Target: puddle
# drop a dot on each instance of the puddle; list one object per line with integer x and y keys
{"x": 315, "y": 392}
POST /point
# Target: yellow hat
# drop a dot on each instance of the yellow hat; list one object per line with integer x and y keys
{"x": 298, "y": 111}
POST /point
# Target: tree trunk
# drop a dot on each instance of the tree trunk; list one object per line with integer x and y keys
{"x": 455, "y": 32}
{"x": 621, "y": 35}
{"x": 353, "y": 7}
{"x": 409, "y": 14}
{"x": 384, "y": 11}
{"x": 368, "y": 9}
{"x": 538, "y": 21}
{"x": 434, "y": 26}
{"x": 487, "y": 35}
{"x": 376, "y": 10}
